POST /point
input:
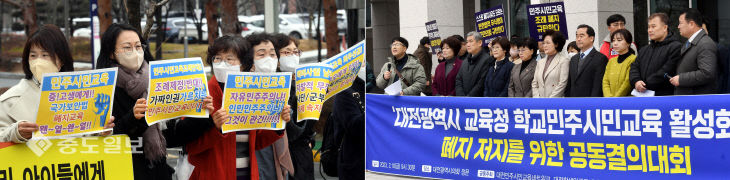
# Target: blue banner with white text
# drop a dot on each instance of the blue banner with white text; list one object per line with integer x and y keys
{"x": 678, "y": 137}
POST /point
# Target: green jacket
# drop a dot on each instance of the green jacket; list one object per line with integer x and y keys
{"x": 413, "y": 72}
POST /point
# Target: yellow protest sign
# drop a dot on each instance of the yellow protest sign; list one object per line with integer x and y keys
{"x": 75, "y": 103}
{"x": 107, "y": 157}
{"x": 344, "y": 68}
{"x": 176, "y": 89}
{"x": 311, "y": 82}
{"x": 255, "y": 100}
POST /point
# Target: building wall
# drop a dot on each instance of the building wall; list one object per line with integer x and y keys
{"x": 594, "y": 13}
{"x": 385, "y": 26}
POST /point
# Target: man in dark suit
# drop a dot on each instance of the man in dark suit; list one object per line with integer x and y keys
{"x": 697, "y": 70}
{"x": 470, "y": 79}
{"x": 587, "y": 67}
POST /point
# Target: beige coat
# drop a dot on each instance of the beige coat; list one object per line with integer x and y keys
{"x": 552, "y": 82}
{"x": 19, "y": 103}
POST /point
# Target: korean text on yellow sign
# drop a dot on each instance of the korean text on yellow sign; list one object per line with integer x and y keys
{"x": 107, "y": 158}
{"x": 176, "y": 89}
{"x": 345, "y": 67}
{"x": 311, "y": 83}
{"x": 74, "y": 103}
{"x": 255, "y": 100}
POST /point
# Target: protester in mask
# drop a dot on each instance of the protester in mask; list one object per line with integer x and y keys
{"x": 232, "y": 155}
{"x": 46, "y": 51}
{"x": 572, "y": 49}
{"x": 122, "y": 47}
{"x": 287, "y": 48}
{"x": 514, "y": 52}
{"x": 298, "y": 134}
{"x": 265, "y": 60}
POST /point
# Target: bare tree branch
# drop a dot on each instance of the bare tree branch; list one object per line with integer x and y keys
{"x": 16, "y": 4}
{"x": 149, "y": 13}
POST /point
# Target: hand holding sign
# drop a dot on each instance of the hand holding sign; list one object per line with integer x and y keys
{"x": 139, "y": 108}
{"x": 26, "y": 129}
{"x": 108, "y": 126}
{"x": 286, "y": 113}
{"x": 177, "y": 88}
{"x": 220, "y": 117}
{"x": 255, "y": 101}
{"x": 74, "y": 103}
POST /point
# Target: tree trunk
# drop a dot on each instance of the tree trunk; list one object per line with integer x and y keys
{"x": 291, "y": 6}
{"x": 133, "y": 14}
{"x": 211, "y": 15}
{"x": 160, "y": 32}
{"x": 105, "y": 15}
{"x": 30, "y": 17}
{"x": 229, "y": 24}
{"x": 330, "y": 26}
{"x": 197, "y": 21}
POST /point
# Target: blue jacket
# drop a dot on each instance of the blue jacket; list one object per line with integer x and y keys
{"x": 497, "y": 80}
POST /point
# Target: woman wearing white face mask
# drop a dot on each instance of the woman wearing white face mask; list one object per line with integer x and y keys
{"x": 287, "y": 49}
{"x": 274, "y": 158}
{"x": 123, "y": 47}
{"x": 299, "y": 134}
{"x": 232, "y": 155}
{"x": 46, "y": 51}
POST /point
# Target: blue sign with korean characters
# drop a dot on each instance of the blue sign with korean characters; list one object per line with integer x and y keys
{"x": 433, "y": 36}
{"x": 490, "y": 24}
{"x": 542, "y": 17}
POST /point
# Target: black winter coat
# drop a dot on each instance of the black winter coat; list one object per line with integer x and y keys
{"x": 655, "y": 60}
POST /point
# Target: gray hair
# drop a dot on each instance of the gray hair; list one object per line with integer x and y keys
{"x": 474, "y": 34}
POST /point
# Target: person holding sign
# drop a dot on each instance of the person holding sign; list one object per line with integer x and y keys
{"x": 299, "y": 134}
{"x": 403, "y": 68}
{"x": 46, "y": 51}
{"x": 287, "y": 49}
{"x": 234, "y": 155}
{"x": 122, "y": 47}
{"x": 551, "y": 73}
{"x": 424, "y": 58}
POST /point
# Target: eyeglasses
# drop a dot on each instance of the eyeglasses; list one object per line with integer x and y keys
{"x": 289, "y": 53}
{"x": 229, "y": 60}
{"x": 128, "y": 48}
{"x": 396, "y": 44}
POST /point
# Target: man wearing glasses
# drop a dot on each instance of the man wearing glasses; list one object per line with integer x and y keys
{"x": 404, "y": 68}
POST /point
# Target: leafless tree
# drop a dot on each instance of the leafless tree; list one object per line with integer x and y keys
{"x": 151, "y": 7}
{"x": 30, "y": 18}
{"x": 330, "y": 26}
